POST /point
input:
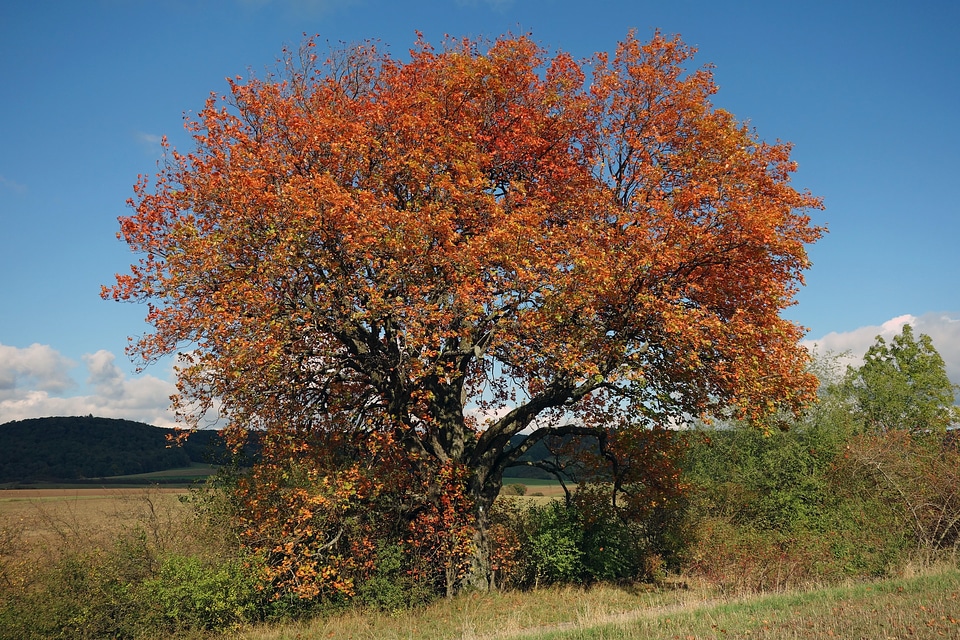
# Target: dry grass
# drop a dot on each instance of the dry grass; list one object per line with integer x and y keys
{"x": 38, "y": 525}
{"x": 484, "y": 616}
{"x": 921, "y": 607}
{"x": 35, "y": 525}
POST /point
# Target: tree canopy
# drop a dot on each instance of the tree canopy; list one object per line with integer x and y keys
{"x": 903, "y": 385}
{"x": 480, "y": 240}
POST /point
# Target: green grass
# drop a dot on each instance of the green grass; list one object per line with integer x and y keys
{"x": 194, "y": 471}
{"x": 921, "y": 607}
{"x": 181, "y": 476}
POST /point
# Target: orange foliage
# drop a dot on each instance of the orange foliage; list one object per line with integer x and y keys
{"x": 317, "y": 511}
{"x": 440, "y": 536}
{"x": 467, "y": 244}
{"x": 302, "y": 515}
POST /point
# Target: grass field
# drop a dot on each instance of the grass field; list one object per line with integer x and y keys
{"x": 194, "y": 471}
{"x": 181, "y": 477}
{"x": 924, "y": 605}
{"x": 534, "y": 489}
{"x": 50, "y": 520}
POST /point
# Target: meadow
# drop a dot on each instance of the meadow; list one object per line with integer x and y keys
{"x": 920, "y": 606}
{"x": 38, "y": 527}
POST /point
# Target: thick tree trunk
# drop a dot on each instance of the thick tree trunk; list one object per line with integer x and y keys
{"x": 481, "y": 574}
{"x": 483, "y": 491}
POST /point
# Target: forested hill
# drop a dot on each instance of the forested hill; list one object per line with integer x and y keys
{"x": 76, "y": 448}
{"x": 88, "y": 447}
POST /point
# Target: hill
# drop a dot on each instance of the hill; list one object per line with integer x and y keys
{"x": 87, "y": 448}
{"x": 76, "y": 448}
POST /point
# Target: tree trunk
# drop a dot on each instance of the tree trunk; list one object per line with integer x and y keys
{"x": 483, "y": 491}
{"x": 481, "y": 575}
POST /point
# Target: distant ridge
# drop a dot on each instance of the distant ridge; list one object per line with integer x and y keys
{"x": 77, "y": 448}
{"x": 87, "y": 448}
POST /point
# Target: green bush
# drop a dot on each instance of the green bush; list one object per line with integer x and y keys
{"x": 581, "y": 541}
{"x": 132, "y": 589}
{"x": 770, "y": 481}
{"x": 392, "y": 586}
{"x": 612, "y": 548}
{"x": 769, "y": 511}
{"x": 187, "y": 593}
{"x": 554, "y": 544}
{"x": 83, "y": 595}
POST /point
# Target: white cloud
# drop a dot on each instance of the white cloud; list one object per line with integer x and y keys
{"x": 33, "y": 382}
{"x": 38, "y": 366}
{"x": 943, "y": 329}
{"x": 149, "y": 138}
{"x": 105, "y": 376}
{"x": 150, "y": 143}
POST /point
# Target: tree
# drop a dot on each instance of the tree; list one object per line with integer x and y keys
{"x": 903, "y": 385}
{"x": 478, "y": 242}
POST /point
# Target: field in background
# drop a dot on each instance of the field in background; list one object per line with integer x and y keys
{"x": 193, "y": 472}
{"x": 533, "y": 487}
{"x": 47, "y": 521}
{"x": 181, "y": 477}
{"x": 70, "y": 517}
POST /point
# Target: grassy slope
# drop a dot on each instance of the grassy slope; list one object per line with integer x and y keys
{"x": 922, "y": 607}
{"x": 925, "y": 606}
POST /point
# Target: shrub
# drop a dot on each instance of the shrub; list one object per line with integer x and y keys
{"x": 83, "y": 595}
{"x": 739, "y": 559}
{"x": 585, "y": 540}
{"x": 392, "y": 586}
{"x": 769, "y": 481}
{"x": 771, "y": 511}
{"x": 15, "y": 568}
{"x": 517, "y": 489}
{"x": 613, "y": 548}
{"x": 554, "y": 544}
{"x": 914, "y": 478}
{"x": 187, "y": 593}
{"x": 133, "y": 587}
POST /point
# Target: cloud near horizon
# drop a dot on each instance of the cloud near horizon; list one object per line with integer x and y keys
{"x": 943, "y": 329}
{"x": 36, "y": 381}
{"x": 38, "y": 366}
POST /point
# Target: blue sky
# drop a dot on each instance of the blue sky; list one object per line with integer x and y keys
{"x": 869, "y": 93}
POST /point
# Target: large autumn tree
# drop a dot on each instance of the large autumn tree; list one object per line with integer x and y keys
{"x": 475, "y": 242}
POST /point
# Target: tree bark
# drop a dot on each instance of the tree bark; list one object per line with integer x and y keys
{"x": 480, "y": 576}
